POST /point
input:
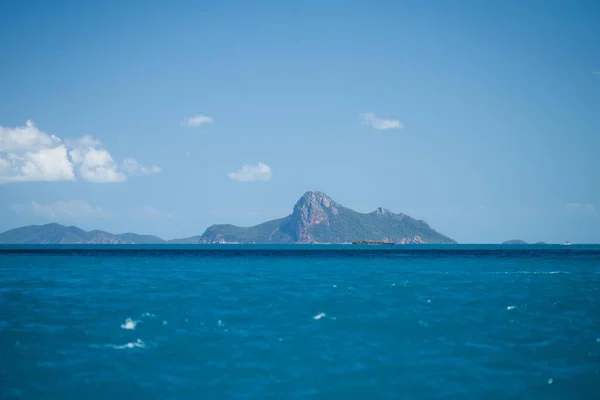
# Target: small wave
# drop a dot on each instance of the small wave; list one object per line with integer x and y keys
{"x": 130, "y": 345}
{"x": 319, "y": 316}
{"x": 147, "y": 314}
{"x": 129, "y": 324}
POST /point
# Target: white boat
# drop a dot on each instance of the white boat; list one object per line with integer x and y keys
{"x": 567, "y": 243}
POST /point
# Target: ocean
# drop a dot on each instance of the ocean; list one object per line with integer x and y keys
{"x": 299, "y": 322}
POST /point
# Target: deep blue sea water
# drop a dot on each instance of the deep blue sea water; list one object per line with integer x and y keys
{"x": 318, "y": 322}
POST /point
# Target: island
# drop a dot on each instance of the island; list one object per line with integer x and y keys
{"x": 315, "y": 219}
{"x": 515, "y": 241}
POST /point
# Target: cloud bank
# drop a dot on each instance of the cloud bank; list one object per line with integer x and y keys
{"x": 30, "y": 154}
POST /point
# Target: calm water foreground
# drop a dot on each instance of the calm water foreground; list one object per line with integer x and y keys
{"x": 294, "y": 322}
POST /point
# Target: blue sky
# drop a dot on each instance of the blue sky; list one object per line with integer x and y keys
{"x": 483, "y": 118}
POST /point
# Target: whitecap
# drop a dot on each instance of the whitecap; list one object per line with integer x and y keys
{"x": 129, "y": 324}
{"x": 319, "y": 316}
{"x": 550, "y": 381}
{"x": 147, "y": 314}
{"x": 220, "y": 323}
{"x": 130, "y": 345}
{"x": 510, "y": 307}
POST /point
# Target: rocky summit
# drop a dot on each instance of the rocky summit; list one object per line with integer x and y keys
{"x": 316, "y": 218}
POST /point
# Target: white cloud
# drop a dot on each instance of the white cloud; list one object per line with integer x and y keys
{"x": 63, "y": 210}
{"x": 131, "y": 166}
{"x": 152, "y": 213}
{"x": 25, "y": 138}
{"x": 381, "y": 123}
{"x": 582, "y": 208}
{"x": 51, "y": 164}
{"x": 199, "y": 119}
{"x": 93, "y": 163}
{"x": 30, "y": 154}
{"x": 250, "y": 173}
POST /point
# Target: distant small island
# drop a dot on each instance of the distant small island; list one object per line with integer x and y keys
{"x": 515, "y": 241}
{"x": 522, "y": 242}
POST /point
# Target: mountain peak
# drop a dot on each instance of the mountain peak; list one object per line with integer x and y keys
{"x": 51, "y": 225}
{"x": 315, "y": 200}
{"x": 317, "y": 196}
{"x": 382, "y": 211}
{"x": 314, "y": 206}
